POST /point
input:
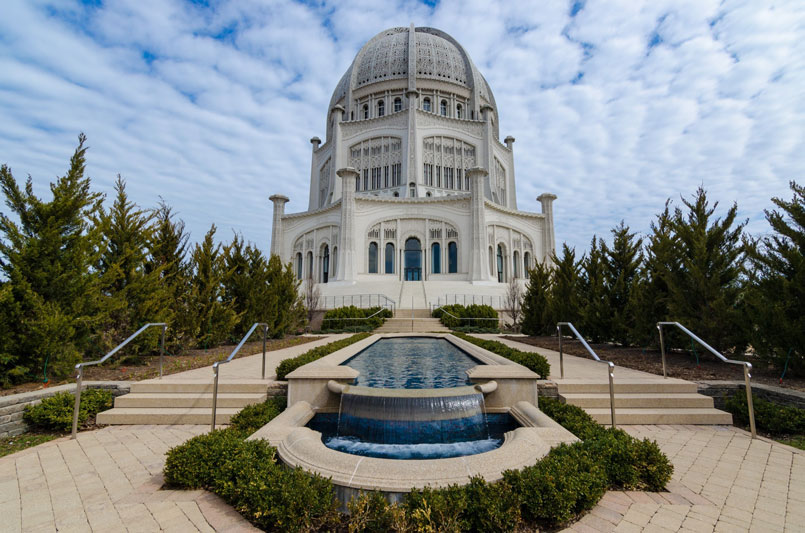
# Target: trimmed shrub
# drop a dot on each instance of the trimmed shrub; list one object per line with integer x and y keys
{"x": 491, "y": 506}
{"x": 459, "y": 316}
{"x": 769, "y": 417}
{"x": 370, "y": 512}
{"x": 56, "y": 412}
{"x": 195, "y": 463}
{"x": 253, "y": 417}
{"x": 437, "y": 509}
{"x": 531, "y": 360}
{"x": 289, "y": 365}
{"x": 343, "y": 318}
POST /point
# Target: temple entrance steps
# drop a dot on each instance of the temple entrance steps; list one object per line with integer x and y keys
{"x": 421, "y": 323}
{"x": 643, "y": 401}
{"x": 173, "y": 401}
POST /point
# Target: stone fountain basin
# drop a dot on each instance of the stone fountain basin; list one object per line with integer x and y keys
{"x": 299, "y": 446}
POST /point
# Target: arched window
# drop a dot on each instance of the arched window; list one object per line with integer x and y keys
{"x": 443, "y": 108}
{"x": 452, "y": 258}
{"x": 491, "y": 260}
{"x": 526, "y": 262}
{"x": 299, "y": 266}
{"x": 381, "y": 108}
{"x": 334, "y": 272}
{"x": 325, "y": 264}
{"x": 310, "y": 265}
{"x": 500, "y": 264}
{"x": 365, "y": 111}
{"x": 389, "y": 258}
{"x": 412, "y": 257}
{"x": 426, "y": 104}
{"x": 516, "y": 264}
{"x": 352, "y": 115}
{"x": 397, "y": 105}
{"x": 459, "y": 111}
{"x": 412, "y": 189}
{"x": 436, "y": 255}
{"x": 373, "y": 258}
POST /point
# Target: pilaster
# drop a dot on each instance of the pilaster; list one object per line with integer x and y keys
{"x": 346, "y": 244}
{"x": 479, "y": 267}
{"x": 549, "y": 243}
{"x": 279, "y": 202}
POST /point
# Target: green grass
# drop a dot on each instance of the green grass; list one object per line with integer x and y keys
{"x": 9, "y": 445}
{"x": 797, "y": 441}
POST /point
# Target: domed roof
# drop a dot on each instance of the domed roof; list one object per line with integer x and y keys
{"x": 386, "y": 57}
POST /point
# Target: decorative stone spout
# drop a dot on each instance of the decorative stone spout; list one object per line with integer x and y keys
{"x": 488, "y": 387}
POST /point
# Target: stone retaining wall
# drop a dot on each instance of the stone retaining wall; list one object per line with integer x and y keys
{"x": 720, "y": 390}
{"x": 13, "y": 405}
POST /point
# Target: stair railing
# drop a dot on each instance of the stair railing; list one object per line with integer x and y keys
{"x": 747, "y": 367}
{"x": 80, "y": 367}
{"x": 381, "y": 300}
{"x": 357, "y": 318}
{"x": 228, "y": 359}
{"x": 610, "y": 364}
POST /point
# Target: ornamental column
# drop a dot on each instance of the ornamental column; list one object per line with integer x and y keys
{"x": 479, "y": 265}
{"x": 346, "y": 242}
{"x": 549, "y": 243}
{"x": 279, "y": 202}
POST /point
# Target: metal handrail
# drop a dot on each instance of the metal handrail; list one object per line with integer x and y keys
{"x": 747, "y": 367}
{"x": 80, "y": 367}
{"x": 357, "y": 318}
{"x": 610, "y": 364}
{"x": 455, "y": 297}
{"x": 387, "y": 302}
{"x": 231, "y": 356}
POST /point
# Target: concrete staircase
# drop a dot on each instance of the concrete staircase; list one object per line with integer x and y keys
{"x": 643, "y": 401}
{"x": 174, "y": 401}
{"x": 402, "y": 323}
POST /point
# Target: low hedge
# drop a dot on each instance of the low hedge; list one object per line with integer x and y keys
{"x": 55, "y": 413}
{"x": 462, "y": 316}
{"x": 770, "y": 417}
{"x": 531, "y": 360}
{"x": 253, "y": 417}
{"x": 566, "y": 482}
{"x": 343, "y": 318}
{"x": 289, "y": 365}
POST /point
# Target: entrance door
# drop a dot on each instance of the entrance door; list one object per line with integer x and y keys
{"x": 413, "y": 259}
{"x": 325, "y": 264}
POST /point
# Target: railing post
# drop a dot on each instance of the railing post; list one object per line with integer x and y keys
{"x": 611, "y": 372}
{"x": 265, "y": 333}
{"x": 561, "y": 358}
{"x": 662, "y": 350}
{"x": 749, "y": 405}
{"x": 162, "y": 350}
{"x": 214, "y": 396}
{"x": 79, "y": 378}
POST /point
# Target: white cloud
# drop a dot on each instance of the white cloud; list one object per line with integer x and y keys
{"x": 614, "y": 109}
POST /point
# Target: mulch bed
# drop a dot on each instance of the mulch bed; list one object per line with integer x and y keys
{"x": 147, "y": 367}
{"x": 679, "y": 363}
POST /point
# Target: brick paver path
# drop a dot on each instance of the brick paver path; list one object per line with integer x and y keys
{"x": 723, "y": 481}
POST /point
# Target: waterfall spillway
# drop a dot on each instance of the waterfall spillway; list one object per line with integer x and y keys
{"x": 422, "y": 416}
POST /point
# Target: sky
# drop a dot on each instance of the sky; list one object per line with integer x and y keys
{"x": 616, "y": 105}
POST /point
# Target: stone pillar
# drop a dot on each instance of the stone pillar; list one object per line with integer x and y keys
{"x": 487, "y": 159}
{"x": 337, "y": 112}
{"x": 313, "y": 199}
{"x": 346, "y": 244}
{"x": 479, "y": 267}
{"x": 411, "y": 161}
{"x": 549, "y": 243}
{"x": 279, "y": 202}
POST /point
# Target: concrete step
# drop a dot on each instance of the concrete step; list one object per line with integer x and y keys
{"x": 418, "y": 313}
{"x": 165, "y": 415}
{"x": 402, "y": 325}
{"x": 626, "y": 417}
{"x": 624, "y": 385}
{"x": 640, "y": 400}
{"x": 176, "y": 385}
{"x": 159, "y": 400}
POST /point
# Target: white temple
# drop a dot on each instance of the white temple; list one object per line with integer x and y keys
{"x": 412, "y": 194}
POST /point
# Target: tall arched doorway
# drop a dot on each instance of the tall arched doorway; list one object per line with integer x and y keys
{"x": 325, "y": 264}
{"x": 501, "y": 277}
{"x": 413, "y": 259}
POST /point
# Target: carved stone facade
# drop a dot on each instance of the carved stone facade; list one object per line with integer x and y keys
{"x": 412, "y": 182}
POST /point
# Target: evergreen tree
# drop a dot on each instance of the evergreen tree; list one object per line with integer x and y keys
{"x": 566, "y": 288}
{"x": 649, "y": 297}
{"x": 596, "y": 320}
{"x": 290, "y": 310}
{"x": 246, "y": 285}
{"x": 207, "y": 317}
{"x": 704, "y": 291}
{"x": 133, "y": 293}
{"x": 51, "y": 298}
{"x": 621, "y": 268}
{"x": 536, "y": 310}
{"x": 777, "y": 299}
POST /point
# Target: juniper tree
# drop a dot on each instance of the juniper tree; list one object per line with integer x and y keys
{"x": 536, "y": 310}
{"x": 246, "y": 285}
{"x": 133, "y": 294}
{"x": 595, "y": 311}
{"x": 291, "y": 312}
{"x": 565, "y": 299}
{"x": 621, "y": 266}
{"x": 704, "y": 291}
{"x": 47, "y": 255}
{"x": 777, "y": 299}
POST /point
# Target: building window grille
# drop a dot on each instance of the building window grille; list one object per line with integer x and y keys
{"x": 436, "y": 254}
{"x": 373, "y": 258}
{"x": 443, "y": 108}
{"x": 459, "y": 111}
{"x": 381, "y": 108}
{"x": 366, "y": 111}
{"x": 452, "y": 258}
{"x": 426, "y": 104}
{"x": 389, "y": 258}
{"x": 299, "y": 266}
{"x": 397, "y": 105}
{"x": 428, "y": 175}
